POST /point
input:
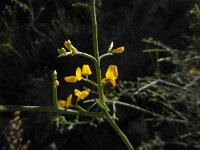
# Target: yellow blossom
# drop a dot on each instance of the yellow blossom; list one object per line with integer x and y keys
{"x": 154, "y": 94}
{"x": 111, "y": 75}
{"x": 7, "y": 45}
{"x": 118, "y": 50}
{"x": 81, "y": 95}
{"x": 86, "y": 70}
{"x": 193, "y": 71}
{"x": 73, "y": 79}
{"x": 65, "y": 103}
{"x": 70, "y": 47}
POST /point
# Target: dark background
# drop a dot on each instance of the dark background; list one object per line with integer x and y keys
{"x": 35, "y": 29}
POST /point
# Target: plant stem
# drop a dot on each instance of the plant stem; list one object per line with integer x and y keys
{"x": 91, "y": 82}
{"x": 105, "y": 55}
{"x": 87, "y": 56}
{"x": 119, "y": 131}
{"x": 96, "y": 50}
{"x": 8, "y": 108}
{"x": 98, "y": 74}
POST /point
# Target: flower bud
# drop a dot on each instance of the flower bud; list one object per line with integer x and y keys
{"x": 118, "y": 50}
{"x": 110, "y": 47}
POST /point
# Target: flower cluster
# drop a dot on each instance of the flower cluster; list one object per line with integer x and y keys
{"x": 78, "y": 77}
{"x": 81, "y": 95}
{"x": 82, "y": 74}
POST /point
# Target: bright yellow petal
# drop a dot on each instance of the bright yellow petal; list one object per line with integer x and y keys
{"x": 112, "y": 72}
{"x": 118, "y": 50}
{"x": 78, "y": 73}
{"x": 193, "y": 71}
{"x": 109, "y": 71}
{"x": 81, "y": 95}
{"x": 78, "y": 94}
{"x": 86, "y": 70}
{"x": 115, "y": 72}
{"x": 85, "y": 93}
{"x": 69, "y": 100}
{"x": 71, "y": 79}
{"x": 61, "y": 103}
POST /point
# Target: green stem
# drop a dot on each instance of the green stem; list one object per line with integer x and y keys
{"x": 87, "y": 56}
{"x": 96, "y": 50}
{"x": 8, "y": 108}
{"x": 91, "y": 82}
{"x": 98, "y": 74}
{"x": 105, "y": 55}
{"x": 119, "y": 131}
{"x": 79, "y": 54}
{"x": 157, "y": 65}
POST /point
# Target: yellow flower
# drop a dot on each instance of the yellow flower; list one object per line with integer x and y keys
{"x": 154, "y": 94}
{"x": 7, "y": 45}
{"x": 73, "y": 79}
{"x": 86, "y": 70}
{"x": 70, "y": 47}
{"x": 193, "y": 71}
{"x": 65, "y": 103}
{"x": 118, "y": 50}
{"x": 81, "y": 95}
{"x": 111, "y": 75}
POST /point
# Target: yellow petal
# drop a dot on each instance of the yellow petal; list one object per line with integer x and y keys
{"x": 78, "y": 94}
{"x": 7, "y": 45}
{"x": 193, "y": 71}
{"x": 154, "y": 94}
{"x": 61, "y": 103}
{"x": 71, "y": 79}
{"x": 78, "y": 74}
{"x": 112, "y": 72}
{"x": 81, "y": 95}
{"x": 85, "y": 93}
{"x": 118, "y": 50}
{"x": 86, "y": 70}
{"x": 69, "y": 101}
{"x": 113, "y": 82}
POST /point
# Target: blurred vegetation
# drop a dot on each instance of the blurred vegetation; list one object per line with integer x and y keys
{"x": 160, "y": 88}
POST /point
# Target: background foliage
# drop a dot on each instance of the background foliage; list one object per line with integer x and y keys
{"x": 163, "y": 115}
